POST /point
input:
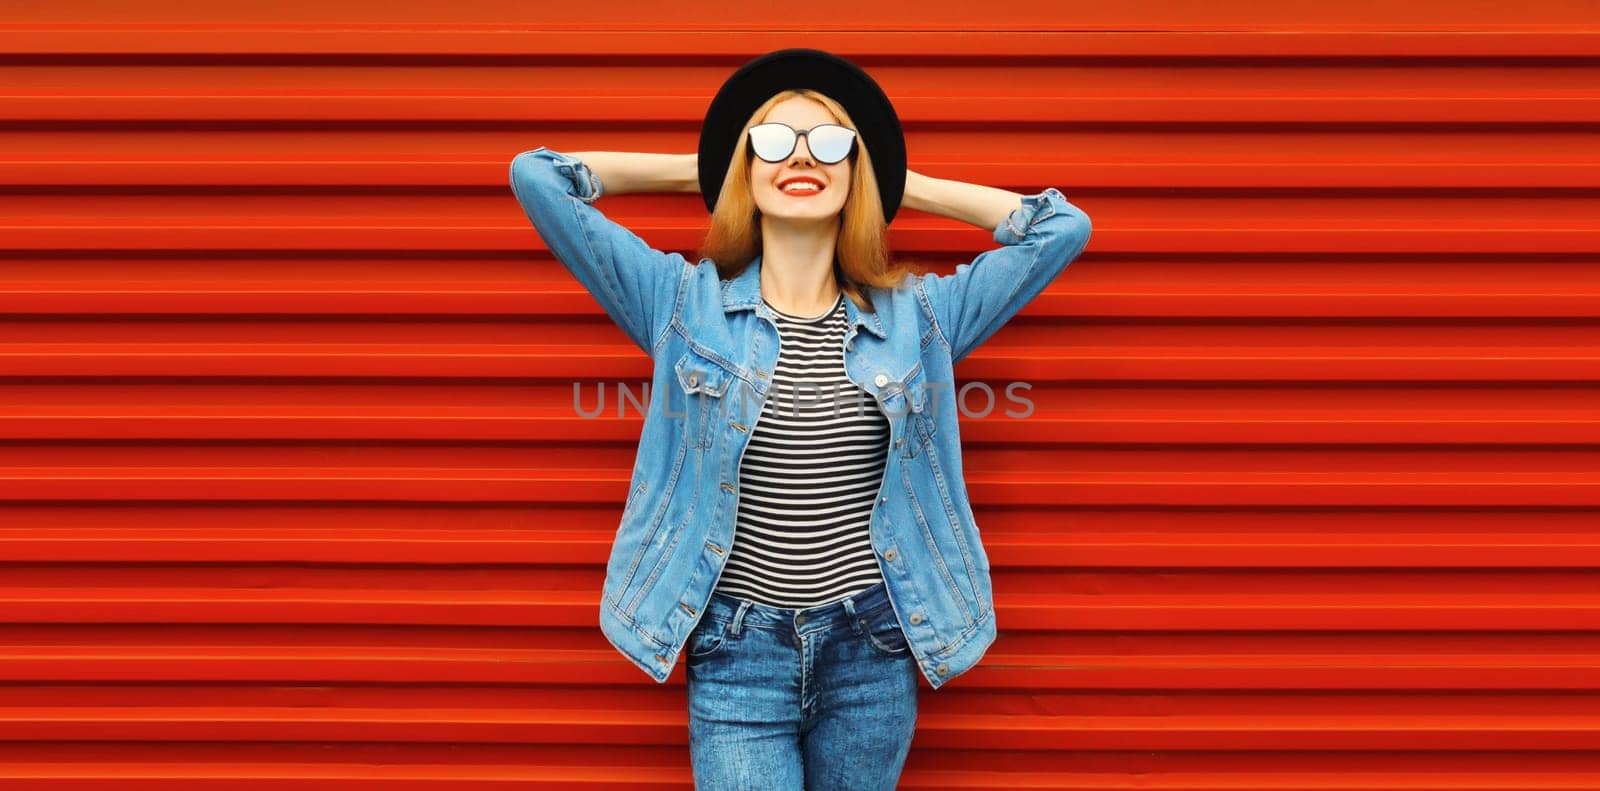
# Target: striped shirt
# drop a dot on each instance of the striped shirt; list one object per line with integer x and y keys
{"x": 809, "y": 475}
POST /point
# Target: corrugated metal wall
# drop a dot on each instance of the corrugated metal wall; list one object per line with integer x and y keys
{"x": 293, "y": 495}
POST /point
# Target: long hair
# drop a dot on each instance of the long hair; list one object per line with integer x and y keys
{"x": 861, "y": 252}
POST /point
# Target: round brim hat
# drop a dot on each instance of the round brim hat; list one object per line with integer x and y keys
{"x": 877, "y": 125}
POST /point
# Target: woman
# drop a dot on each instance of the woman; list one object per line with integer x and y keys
{"x": 797, "y": 526}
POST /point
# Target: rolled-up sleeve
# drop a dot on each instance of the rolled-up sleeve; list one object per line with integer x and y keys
{"x": 636, "y": 284}
{"x": 1038, "y": 239}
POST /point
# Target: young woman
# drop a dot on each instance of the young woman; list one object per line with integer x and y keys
{"x": 797, "y": 527}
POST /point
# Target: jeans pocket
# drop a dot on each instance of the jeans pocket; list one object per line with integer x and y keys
{"x": 706, "y": 638}
{"x": 882, "y": 631}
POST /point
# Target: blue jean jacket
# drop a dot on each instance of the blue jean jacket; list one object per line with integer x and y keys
{"x": 715, "y": 344}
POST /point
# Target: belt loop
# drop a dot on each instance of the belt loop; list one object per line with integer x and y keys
{"x": 850, "y": 608}
{"x": 738, "y": 616}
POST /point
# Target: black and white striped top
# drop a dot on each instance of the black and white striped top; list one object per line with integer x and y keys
{"x": 808, "y": 477}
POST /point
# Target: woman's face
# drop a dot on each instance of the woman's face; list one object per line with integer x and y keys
{"x": 801, "y": 114}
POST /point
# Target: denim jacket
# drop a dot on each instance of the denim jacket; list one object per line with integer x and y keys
{"x": 714, "y": 344}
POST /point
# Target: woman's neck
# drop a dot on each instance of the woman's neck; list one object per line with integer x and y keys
{"x": 804, "y": 287}
{"x": 797, "y": 263}
{"x": 804, "y": 293}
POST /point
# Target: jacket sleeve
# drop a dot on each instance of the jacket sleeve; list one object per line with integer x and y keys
{"x": 1038, "y": 239}
{"x": 635, "y": 284}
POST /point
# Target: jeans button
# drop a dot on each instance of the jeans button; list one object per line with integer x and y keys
{"x": 800, "y": 620}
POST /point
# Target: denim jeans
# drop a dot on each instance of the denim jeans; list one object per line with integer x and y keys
{"x": 809, "y": 699}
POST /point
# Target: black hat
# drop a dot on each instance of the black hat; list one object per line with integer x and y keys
{"x": 877, "y": 126}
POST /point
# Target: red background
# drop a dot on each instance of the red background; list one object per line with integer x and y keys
{"x": 293, "y": 495}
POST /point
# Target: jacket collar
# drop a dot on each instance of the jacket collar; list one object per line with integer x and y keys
{"x": 743, "y": 292}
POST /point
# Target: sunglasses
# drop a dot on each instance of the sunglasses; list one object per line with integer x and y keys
{"x": 829, "y": 143}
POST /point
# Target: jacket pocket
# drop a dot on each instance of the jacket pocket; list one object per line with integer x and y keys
{"x": 703, "y": 382}
{"x": 913, "y": 405}
{"x": 635, "y": 497}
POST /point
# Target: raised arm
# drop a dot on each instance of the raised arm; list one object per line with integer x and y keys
{"x": 632, "y": 171}
{"x": 635, "y": 283}
{"x": 1039, "y": 235}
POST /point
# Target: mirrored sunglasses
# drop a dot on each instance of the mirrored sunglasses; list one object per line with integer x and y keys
{"x": 829, "y": 143}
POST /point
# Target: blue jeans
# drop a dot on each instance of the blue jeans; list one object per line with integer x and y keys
{"x": 809, "y": 699}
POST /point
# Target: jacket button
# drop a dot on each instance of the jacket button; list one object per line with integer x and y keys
{"x": 694, "y": 378}
{"x": 943, "y": 668}
{"x": 889, "y": 555}
{"x": 880, "y": 380}
{"x": 728, "y": 487}
{"x": 916, "y": 618}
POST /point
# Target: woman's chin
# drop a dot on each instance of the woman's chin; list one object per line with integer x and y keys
{"x": 808, "y": 217}
{"x": 799, "y": 211}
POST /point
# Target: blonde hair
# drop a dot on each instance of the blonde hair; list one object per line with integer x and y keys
{"x": 861, "y": 253}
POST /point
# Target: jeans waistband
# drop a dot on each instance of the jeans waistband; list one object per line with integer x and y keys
{"x": 745, "y": 612}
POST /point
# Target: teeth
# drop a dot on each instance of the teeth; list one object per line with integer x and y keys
{"x": 801, "y": 187}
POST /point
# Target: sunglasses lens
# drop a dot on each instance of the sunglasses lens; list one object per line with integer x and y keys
{"x": 772, "y": 142}
{"x": 830, "y": 143}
